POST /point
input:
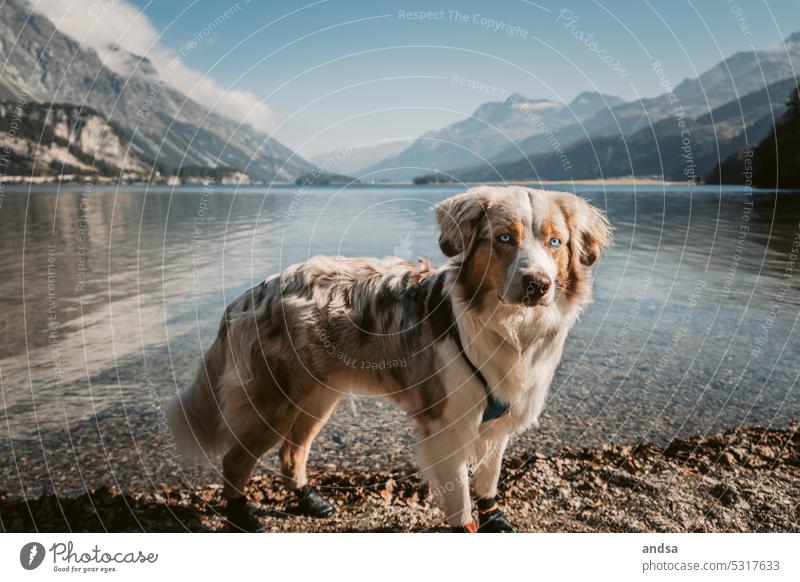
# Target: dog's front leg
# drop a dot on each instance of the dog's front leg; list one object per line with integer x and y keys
{"x": 486, "y": 473}
{"x": 447, "y": 473}
{"x": 453, "y": 492}
{"x": 484, "y": 479}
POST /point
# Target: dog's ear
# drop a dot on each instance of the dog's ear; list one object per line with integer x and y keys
{"x": 590, "y": 227}
{"x": 458, "y": 217}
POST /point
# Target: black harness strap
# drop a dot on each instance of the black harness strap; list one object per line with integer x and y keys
{"x": 495, "y": 408}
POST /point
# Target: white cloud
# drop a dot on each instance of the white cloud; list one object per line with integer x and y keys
{"x": 105, "y": 24}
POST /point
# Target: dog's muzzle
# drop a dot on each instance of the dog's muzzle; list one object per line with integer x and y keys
{"x": 534, "y": 287}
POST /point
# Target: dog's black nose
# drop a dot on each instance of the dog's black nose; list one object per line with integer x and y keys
{"x": 535, "y": 286}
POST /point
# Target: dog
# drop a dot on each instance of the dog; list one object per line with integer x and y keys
{"x": 468, "y": 349}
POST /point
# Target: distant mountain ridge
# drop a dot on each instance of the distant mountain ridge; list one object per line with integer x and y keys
{"x": 492, "y": 127}
{"x": 354, "y": 160}
{"x": 657, "y": 150}
{"x": 734, "y": 76}
{"x": 162, "y": 124}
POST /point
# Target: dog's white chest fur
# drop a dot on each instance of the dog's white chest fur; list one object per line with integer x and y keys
{"x": 517, "y": 351}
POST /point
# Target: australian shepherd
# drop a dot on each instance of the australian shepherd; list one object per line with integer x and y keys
{"x": 468, "y": 349}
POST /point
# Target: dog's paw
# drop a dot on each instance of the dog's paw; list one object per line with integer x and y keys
{"x": 494, "y": 522}
{"x": 312, "y": 504}
{"x": 241, "y": 517}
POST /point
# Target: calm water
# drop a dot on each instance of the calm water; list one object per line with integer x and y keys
{"x": 108, "y": 298}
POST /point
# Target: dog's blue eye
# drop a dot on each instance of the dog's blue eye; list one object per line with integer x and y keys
{"x": 555, "y": 242}
{"x": 504, "y": 238}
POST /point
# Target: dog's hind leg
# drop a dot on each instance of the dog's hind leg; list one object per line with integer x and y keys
{"x": 249, "y": 445}
{"x": 314, "y": 412}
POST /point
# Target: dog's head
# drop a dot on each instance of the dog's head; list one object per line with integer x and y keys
{"x": 522, "y": 246}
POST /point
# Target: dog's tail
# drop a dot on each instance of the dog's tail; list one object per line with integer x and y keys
{"x": 195, "y": 414}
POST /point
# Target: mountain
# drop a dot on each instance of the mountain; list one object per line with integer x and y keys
{"x": 589, "y": 103}
{"x": 58, "y": 139}
{"x": 491, "y": 128}
{"x": 162, "y": 125}
{"x": 775, "y": 160}
{"x": 657, "y": 150}
{"x": 353, "y": 160}
{"x": 62, "y": 138}
{"x": 738, "y": 75}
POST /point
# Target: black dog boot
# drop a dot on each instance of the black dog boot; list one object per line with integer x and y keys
{"x": 312, "y": 504}
{"x": 491, "y": 517}
{"x": 241, "y": 517}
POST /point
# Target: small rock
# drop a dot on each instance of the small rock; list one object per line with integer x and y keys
{"x": 727, "y": 495}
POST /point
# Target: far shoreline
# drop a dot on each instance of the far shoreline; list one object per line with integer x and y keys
{"x": 15, "y": 182}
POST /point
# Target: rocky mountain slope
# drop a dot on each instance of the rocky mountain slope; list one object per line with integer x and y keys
{"x": 65, "y": 139}
{"x": 728, "y": 80}
{"x": 670, "y": 148}
{"x": 43, "y": 65}
{"x": 775, "y": 161}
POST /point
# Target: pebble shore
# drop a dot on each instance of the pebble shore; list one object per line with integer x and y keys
{"x": 747, "y": 480}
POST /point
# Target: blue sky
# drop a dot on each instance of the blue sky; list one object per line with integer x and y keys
{"x": 394, "y": 75}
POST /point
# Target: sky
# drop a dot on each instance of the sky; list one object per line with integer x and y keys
{"x": 328, "y": 74}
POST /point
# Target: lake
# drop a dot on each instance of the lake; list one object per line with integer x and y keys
{"x": 110, "y": 296}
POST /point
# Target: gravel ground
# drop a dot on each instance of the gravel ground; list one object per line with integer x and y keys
{"x": 747, "y": 480}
